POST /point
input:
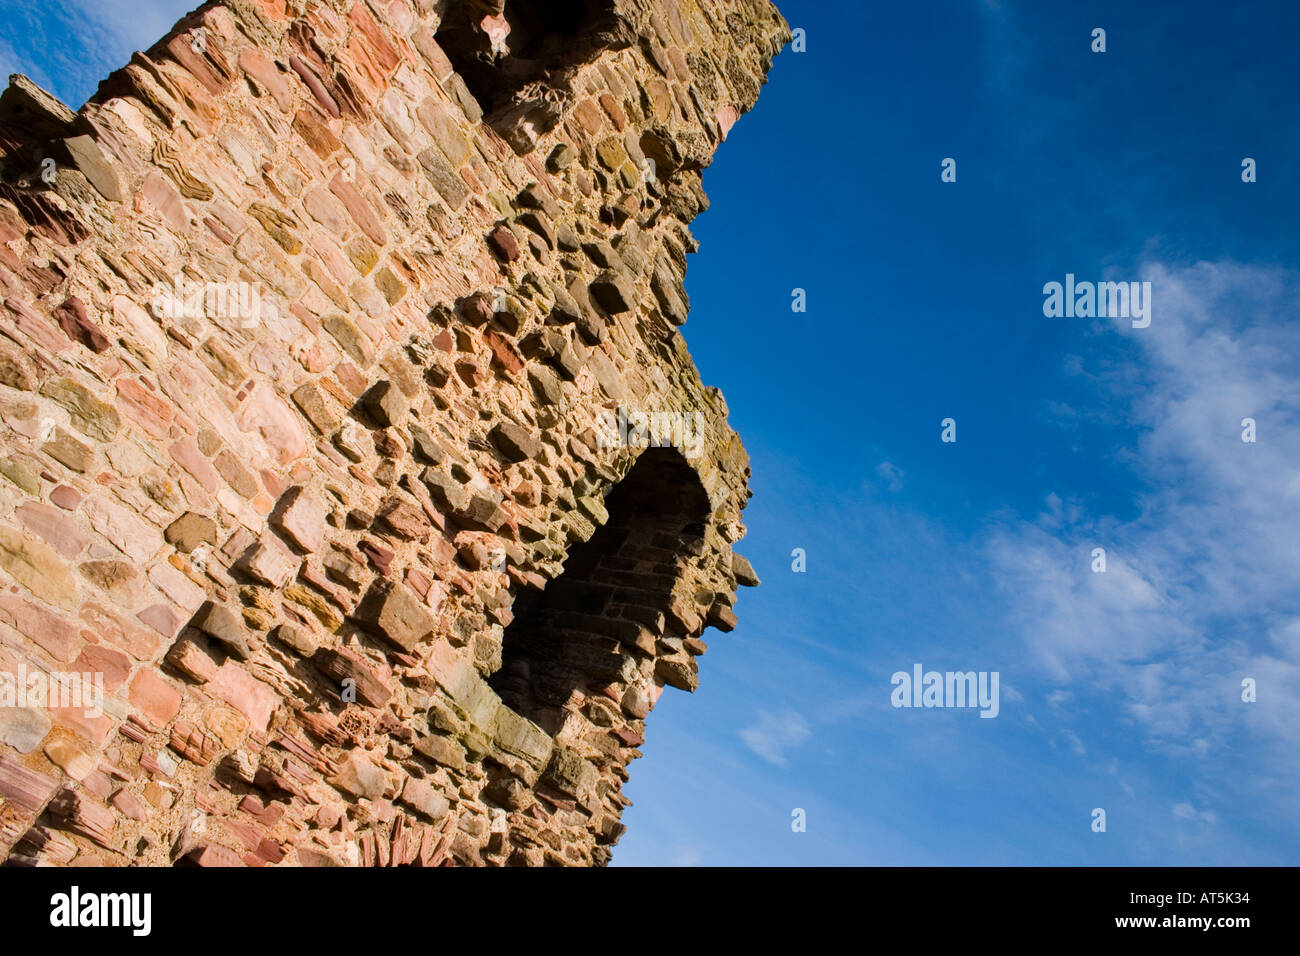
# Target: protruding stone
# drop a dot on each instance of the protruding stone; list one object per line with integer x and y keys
{"x": 570, "y": 773}
{"x": 522, "y": 738}
{"x": 614, "y": 292}
{"x": 300, "y": 515}
{"x": 360, "y": 777}
{"x": 561, "y": 158}
{"x": 744, "y": 571}
{"x": 442, "y": 750}
{"x": 86, "y": 156}
{"x": 391, "y": 611}
{"x": 270, "y": 562}
{"x": 515, "y": 442}
{"x": 675, "y": 672}
{"x": 225, "y": 625}
{"x": 504, "y": 244}
{"x": 424, "y": 799}
{"x": 385, "y": 404}
{"x": 342, "y": 667}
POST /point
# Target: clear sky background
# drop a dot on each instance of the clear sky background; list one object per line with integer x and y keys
{"x": 1119, "y": 691}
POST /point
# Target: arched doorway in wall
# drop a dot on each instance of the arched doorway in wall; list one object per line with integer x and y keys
{"x": 600, "y": 618}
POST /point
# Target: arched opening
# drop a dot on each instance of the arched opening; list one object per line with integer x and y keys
{"x": 595, "y": 625}
{"x": 509, "y": 53}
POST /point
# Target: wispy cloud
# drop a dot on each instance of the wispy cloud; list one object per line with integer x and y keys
{"x": 891, "y": 474}
{"x": 1185, "y": 811}
{"x": 1200, "y": 588}
{"x": 773, "y": 734}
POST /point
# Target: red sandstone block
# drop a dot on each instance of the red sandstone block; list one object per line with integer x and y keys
{"x": 149, "y": 410}
{"x": 154, "y": 698}
{"x": 274, "y": 8}
{"x": 84, "y": 723}
{"x": 115, "y": 629}
{"x": 97, "y": 659}
{"x": 259, "y": 66}
{"x": 267, "y": 815}
{"x": 360, "y": 210}
{"x": 65, "y": 497}
{"x": 208, "y": 67}
{"x": 164, "y": 198}
{"x": 78, "y": 326}
{"x": 376, "y": 38}
{"x": 503, "y": 351}
{"x": 131, "y": 806}
{"x": 245, "y": 693}
{"x": 59, "y": 637}
{"x": 213, "y": 855}
{"x": 54, "y": 528}
{"x": 186, "y": 454}
{"x": 162, "y": 619}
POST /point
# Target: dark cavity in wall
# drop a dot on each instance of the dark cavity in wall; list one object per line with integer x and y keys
{"x": 545, "y": 40}
{"x": 582, "y": 631}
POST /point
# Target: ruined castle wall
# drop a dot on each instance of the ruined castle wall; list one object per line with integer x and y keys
{"x": 313, "y": 375}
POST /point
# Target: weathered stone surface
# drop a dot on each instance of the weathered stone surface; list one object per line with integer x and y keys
{"x": 190, "y": 531}
{"x": 421, "y": 796}
{"x": 442, "y": 750}
{"x": 154, "y": 698}
{"x": 91, "y": 416}
{"x": 342, "y": 667}
{"x": 23, "y": 728}
{"x": 360, "y": 777}
{"x": 390, "y": 611}
{"x": 252, "y": 698}
{"x": 570, "y": 774}
{"x": 515, "y": 442}
{"x": 37, "y": 567}
{"x": 225, "y": 625}
{"x": 522, "y": 738}
{"x": 300, "y": 516}
{"x": 744, "y": 571}
{"x": 270, "y": 562}
{"x": 86, "y": 156}
{"x": 309, "y": 371}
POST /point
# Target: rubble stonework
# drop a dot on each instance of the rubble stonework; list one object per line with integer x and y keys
{"x": 308, "y": 333}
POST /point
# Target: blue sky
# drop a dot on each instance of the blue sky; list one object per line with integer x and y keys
{"x": 1119, "y": 691}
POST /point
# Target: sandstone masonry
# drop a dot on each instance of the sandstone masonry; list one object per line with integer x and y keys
{"x": 313, "y": 321}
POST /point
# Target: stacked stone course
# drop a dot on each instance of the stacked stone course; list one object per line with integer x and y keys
{"x": 309, "y": 334}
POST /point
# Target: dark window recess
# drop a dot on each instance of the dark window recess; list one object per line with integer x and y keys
{"x": 521, "y": 80}
{"x": 578, "y": 633}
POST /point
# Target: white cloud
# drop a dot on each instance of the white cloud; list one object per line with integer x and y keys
{"x": 892, "y": 475}
{"x": 1200, "y": 588}
{"x": 132, "y": 24}
{"x": 1185, "y": 811}
{"x": 1076, "y": 744}
{"x": 772, "y": 734}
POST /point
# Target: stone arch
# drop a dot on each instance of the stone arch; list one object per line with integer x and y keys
{"x": 601, "y": 627}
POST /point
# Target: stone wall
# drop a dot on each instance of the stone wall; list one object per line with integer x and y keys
{"x": 325, "y": 402}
